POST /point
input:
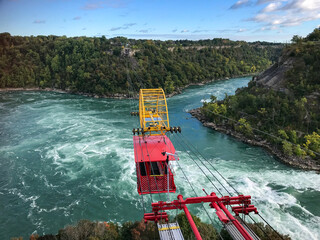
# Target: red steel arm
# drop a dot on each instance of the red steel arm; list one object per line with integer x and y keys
{"x": 215, "y": 202}
{"x": 191, "y": 222}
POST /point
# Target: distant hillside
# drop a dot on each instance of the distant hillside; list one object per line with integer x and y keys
{"x": 280, "y": 107}
{"x": 99, "y": 65}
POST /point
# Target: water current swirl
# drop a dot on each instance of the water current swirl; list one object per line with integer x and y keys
{"x": 66, "y": 157}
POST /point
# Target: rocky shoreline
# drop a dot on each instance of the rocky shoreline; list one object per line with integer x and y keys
{"x": 305, "y": 164}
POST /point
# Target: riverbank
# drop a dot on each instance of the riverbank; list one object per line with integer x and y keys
{"x": 305, "y": 164}
{"x": 114, "y": 96}
{"x": 118, "y": 95}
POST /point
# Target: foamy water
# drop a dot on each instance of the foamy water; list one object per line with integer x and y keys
{"x": 64, "y": 158}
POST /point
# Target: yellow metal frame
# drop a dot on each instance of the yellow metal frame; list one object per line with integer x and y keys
{"x": 153, "y": 111}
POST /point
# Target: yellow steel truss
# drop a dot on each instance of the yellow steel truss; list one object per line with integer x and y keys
{"x": 153, "y": 111}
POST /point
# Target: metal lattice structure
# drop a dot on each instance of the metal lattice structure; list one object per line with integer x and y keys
{"x": 237, "y": 229}
{"x": 153, "y": 111}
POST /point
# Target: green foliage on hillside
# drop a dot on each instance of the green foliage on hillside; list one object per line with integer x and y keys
{"x": 86, "y": 229}
{"x": 98, "y": 65}
{"x": 290, "y": 113}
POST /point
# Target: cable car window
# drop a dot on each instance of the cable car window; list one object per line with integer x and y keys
{"x": 143, "y": 171}
{"x": 155, "y": 168}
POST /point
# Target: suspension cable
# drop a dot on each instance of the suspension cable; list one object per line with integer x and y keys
{"x": 233, "y": 188}
{"x": 132, "y": 109}
{"x": 185, "y": 176}
{"x": 200, "y": 168}
{"x": 184, "y": 139}
{"x": 222, "y": 175}
{"x": 260, "y": 228}
{"x": 170, "y": 234}
{"x": 265, "y": 133}
{"x": 215, "y": 169}
{"x": 212, "y": 166}
{"x": 248, "y": 228}
{"x": 185, "y": 142}
{"x": 270, "y": 226}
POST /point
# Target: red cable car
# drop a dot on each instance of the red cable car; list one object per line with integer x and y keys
{"x": 152, "y": 155}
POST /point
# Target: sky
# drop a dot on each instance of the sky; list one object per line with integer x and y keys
{"x": 249, "y": 20}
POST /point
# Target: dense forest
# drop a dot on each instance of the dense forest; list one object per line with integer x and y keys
{"x": 104, "y": 66}
{"x": 280, "y": 105}
{"x": 86, "y": 229}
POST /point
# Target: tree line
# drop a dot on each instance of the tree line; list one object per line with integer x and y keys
{"x": 103, "y": 66}
{"x": 86, "y": 229}
{"x": 289, "y": 115}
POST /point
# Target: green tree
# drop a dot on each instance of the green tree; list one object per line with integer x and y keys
{"x": 312, "y": 143}
{"x": 314, "y": 36}
{"x": 296, "y": 39}
{"x": 169, "y": 85}
{"x": 287, "y": 148}
{"x": 244, "y": 127}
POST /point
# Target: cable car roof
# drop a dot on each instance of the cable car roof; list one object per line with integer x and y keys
{"x": 151, "y": 148}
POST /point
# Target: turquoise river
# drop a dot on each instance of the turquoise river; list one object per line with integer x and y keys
{"x": 65, "y": 157}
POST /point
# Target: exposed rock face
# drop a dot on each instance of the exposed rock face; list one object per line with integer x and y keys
{"x": 274, "y": 77}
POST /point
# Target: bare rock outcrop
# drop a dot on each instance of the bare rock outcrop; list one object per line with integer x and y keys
{"x": 274, "y": 77}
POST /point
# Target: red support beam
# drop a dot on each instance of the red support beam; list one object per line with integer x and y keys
{"x": 223, "y": 218}
{"x": 191, "y": 222}
{"x": 241, "y": 229}
{"x": 245, "y": 210}
{"x": 215, "y": 202}
{"x": 155, "y": 217}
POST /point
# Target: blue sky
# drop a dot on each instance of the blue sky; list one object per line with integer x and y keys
{"x": 250, "y": 20}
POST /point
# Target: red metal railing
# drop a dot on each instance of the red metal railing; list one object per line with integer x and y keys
{"x": 155, "y": 184}
{"x": 215, "y": 202}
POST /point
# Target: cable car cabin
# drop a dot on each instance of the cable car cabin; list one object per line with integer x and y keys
{"x": 152, "y": 155}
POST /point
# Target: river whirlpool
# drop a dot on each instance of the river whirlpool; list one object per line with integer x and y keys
{"x": 65, "y": 157}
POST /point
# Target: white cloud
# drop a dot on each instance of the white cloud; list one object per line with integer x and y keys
{"x": 94, "y": 4}
{"x": 115, "y": 28}
{"x": 272, "y": 7}
{"x": 144, "y": 30}
{"x": 127, "y": 25}
{"x": 200, "y": 31}
{"x": 242, "y": 30}
{"x": 263, "y": 1}
{"x": 124, "y": 26}
{"x": 286, "y": 13}
{"x": 184, "y": 31}
{"x": 304, "y": 5}
{"x": 240, "y": 4}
